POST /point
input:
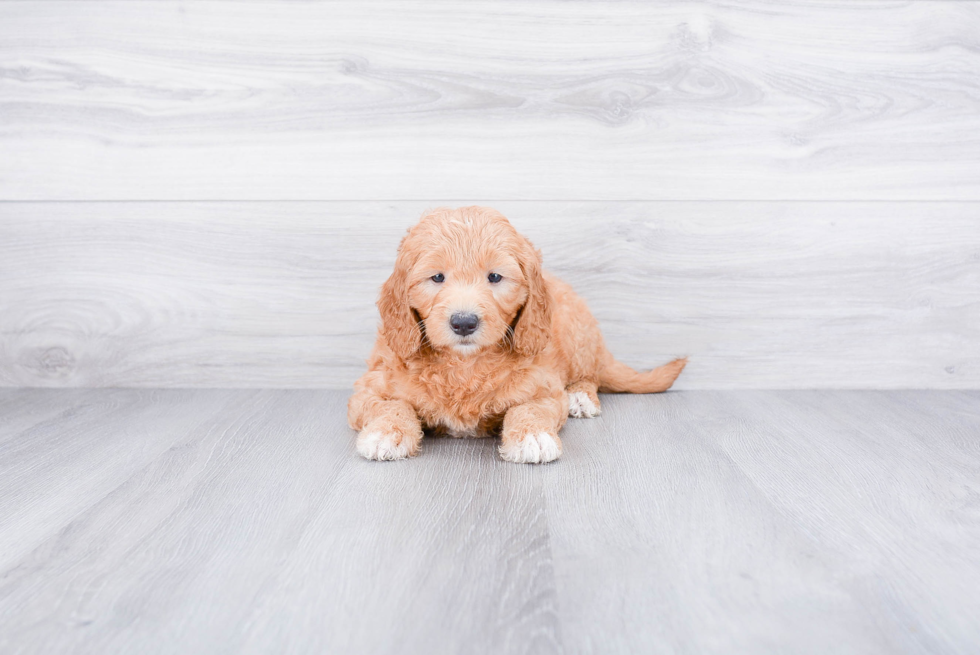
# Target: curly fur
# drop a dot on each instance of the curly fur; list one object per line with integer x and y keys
{"x": 536, "y": 358}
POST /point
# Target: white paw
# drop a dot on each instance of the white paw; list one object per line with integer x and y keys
{"x": 532, "y": 449}
{"x": 380, "y": 445}
{"x": 581, "y": 406}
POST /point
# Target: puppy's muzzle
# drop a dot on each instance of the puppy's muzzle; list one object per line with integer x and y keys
{"x": 464, "y": 324}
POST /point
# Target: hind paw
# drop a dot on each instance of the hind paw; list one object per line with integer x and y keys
{"x": 580, "y": 405}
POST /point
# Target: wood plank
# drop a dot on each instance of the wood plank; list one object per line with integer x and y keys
{"x": 101, "y": 438}
{"x": 910, "y": 535}
{"x": 448, "y": 557}
{"x": 664, "y": 545}
{"x": 758, "y": 294}
{"x": 803, "y": 522}
{"x": 22, "y": 409}
{"x": 262, "y": 530}
{"x": 867, "y": 99}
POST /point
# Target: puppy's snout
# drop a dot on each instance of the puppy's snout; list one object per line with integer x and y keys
{"x": 464, "y": 324}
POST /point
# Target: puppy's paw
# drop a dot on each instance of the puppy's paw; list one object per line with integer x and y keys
{"x": 374, "y": 444}
{"x": 536, "y": 448}
{"x": 581, "y": 406}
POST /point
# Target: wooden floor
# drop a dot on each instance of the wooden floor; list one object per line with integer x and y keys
{"x": 216, "y": 521}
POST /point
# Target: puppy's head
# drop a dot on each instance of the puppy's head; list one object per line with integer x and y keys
{"x": 465, "y": 280}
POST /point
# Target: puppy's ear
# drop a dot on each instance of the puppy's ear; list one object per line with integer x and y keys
{"x": 399, "y": 325}
{"x": 533, "y": 327}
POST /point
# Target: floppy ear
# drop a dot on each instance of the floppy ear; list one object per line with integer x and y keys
{"x": 399, "y": 324}
{"x": 533, "y": 328}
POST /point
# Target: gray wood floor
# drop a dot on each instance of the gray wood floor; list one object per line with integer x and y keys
{"x": 217, "y": 521}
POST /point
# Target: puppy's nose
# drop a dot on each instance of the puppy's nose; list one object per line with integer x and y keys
{"x": 464, "y": 324}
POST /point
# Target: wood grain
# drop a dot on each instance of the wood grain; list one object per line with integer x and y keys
{"x": 804, "y": 522}
{"x": 242, "y": 521}
{"x": 260, "y": 530}
{"x": 869, "y": 99}
{"x": 758, "y": 294}
{"x": 103, "y": 440}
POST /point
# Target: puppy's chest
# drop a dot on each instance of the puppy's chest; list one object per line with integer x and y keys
{"x": 465, "y": 403}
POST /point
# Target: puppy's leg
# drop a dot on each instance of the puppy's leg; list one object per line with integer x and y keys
{"x": 530, "y": 431}
{"x": 389, "y": 429}
{"x": 583, "y": 399}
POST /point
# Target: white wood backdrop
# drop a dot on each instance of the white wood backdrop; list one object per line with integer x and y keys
{"x": 773, "y": 294}
{"x": 673, "y": 160}
{"x": 505, "y": 100}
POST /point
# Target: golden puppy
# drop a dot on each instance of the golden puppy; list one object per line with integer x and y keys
{"x": 476, "y": 340}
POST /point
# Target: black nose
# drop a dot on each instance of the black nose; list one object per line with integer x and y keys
{"x": 464, "y": 324}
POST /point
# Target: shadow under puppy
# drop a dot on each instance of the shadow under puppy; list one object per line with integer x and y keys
{"x": 477, "y": 340}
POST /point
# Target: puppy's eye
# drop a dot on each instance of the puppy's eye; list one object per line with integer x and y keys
{"x": 438, "y": 278}
{"x": 495, "y": 277}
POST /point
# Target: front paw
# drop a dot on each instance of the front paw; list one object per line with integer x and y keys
{"x": 532, "y": 448}
{"x": 376, "y": 444}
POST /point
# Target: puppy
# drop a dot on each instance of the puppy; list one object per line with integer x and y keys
{"x": 476, "y": 340}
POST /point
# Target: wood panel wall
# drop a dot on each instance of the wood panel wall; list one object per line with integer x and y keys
{"x": 210, "y": 193}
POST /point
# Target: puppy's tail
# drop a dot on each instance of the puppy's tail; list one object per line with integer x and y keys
{"x": 618, "y": 377}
